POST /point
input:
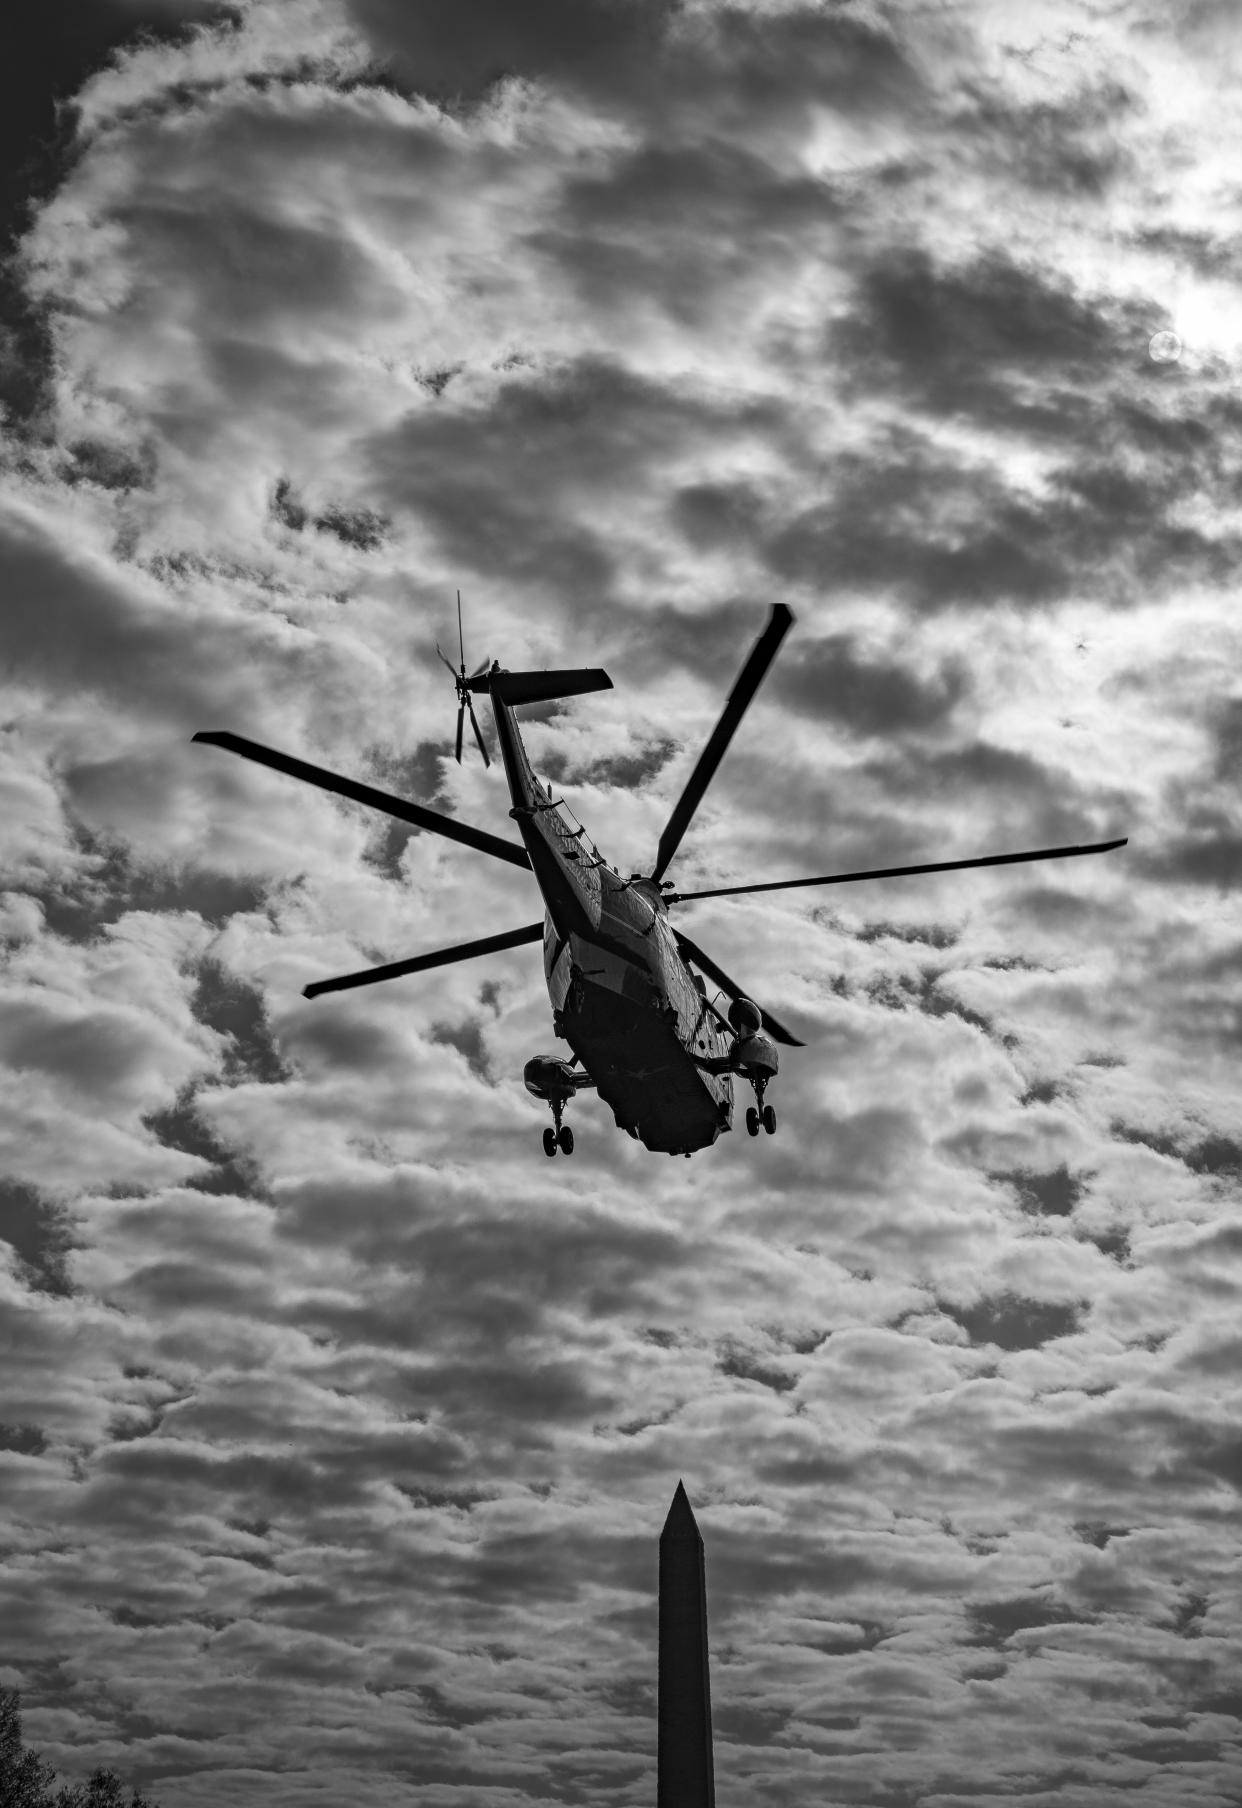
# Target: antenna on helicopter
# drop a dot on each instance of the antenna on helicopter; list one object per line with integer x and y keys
{"x": 464, "y": 701}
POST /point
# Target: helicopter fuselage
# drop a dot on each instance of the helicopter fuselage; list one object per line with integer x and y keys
{"x": 634, "y": 1014}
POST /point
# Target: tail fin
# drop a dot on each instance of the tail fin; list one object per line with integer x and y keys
{"x": 514, "y": 688}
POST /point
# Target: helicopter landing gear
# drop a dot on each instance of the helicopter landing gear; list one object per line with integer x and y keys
{"x": 558, "y": 1135}
{"x": 759, "y": 1113}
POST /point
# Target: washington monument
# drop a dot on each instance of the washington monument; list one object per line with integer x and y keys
{"x": 684, "y": 1761}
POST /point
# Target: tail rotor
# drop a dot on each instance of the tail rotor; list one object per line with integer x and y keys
{"x": 465, "y": 702}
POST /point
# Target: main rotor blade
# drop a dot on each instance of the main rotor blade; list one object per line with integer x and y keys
{"x": 478, "y": 734}
{"x": 693, "y": 952}
{"x": 761, "y": 656}
{"x": 460, "y": 640}
{"x": 461, "y": 722}
{"x": 443, "y": 957}
{"x": 898, "y": 872}
{"x": 366, "y": 794}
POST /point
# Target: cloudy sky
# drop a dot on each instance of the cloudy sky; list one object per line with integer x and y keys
{"x": 340, "y": 1425}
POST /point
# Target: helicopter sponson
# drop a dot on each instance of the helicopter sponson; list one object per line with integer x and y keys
{"x": 755, "y": 1055}
{"x": 548, "y": 1077}
{"x": 754, "y": 1052}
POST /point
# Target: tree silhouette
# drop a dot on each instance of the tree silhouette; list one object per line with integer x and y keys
{"x": 26, "y": 1780}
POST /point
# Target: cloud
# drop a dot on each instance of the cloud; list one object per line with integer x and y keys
{"x": 340, "y": 1424}
{"x": 1016, "y": 1324}
{"x": 36, "y": 147}
{"x": 37, "y": 1235}
{"x": 869, "y": 694}
{"x": 459, "y": 52}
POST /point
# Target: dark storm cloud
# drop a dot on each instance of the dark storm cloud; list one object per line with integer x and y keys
{"x": 651, "y": 56}
{"x": 285, "y": 506}
{"x": 1070, "y": 145}
{"x": 962, "y": 339}
{"x": 110, "y": 881}
{"x": 999, "y": 785}
{"x": 36, "y": 1230}
{"x": 236, "y": 1010}
{"x": 458, "y": 49}
{"x": 712, "y": 515}
{"x": 479, "y": 1275}
{"x": 291, "y": 266}
{"x": 1213, "y": 1154}
{"x": 26, "y": 1440}
{"x": 932, "y": 935}
{"x": 679, "y": 226}
{"x": 759, "y": 66}
{"x": 501, "y": 479}
{"x": 1012, "y": 350}
{"x": 344, "y": 1040}
{"x": 900, "y": 991}
{"x": 912, "y": 518}
{"x": 360, "y": 527}
{"x": 747, "y": 1365}
{"x": 1014, "y": 1323}
{"x": 1050, "y": 1195}
{"x": 467, "y": 1039}
{"x": 1208, "y": 853}
{"x": 181, "y": 1126}
{"x": 994, "y": 1623}
{"x": 626, "y": 771}
{"x": 61, "y": 43}
{"x": 1114, "y": 1243}
{"x": 109, "y": 467}
{"x": 418, "y": 775}
{"x": 1210, "y": 253}
{"x": 1227, "y": 739}
{"x": 72, "y": 618}
{"x": 838, "y": 679}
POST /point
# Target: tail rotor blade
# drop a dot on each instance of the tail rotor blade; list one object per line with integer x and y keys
{"x": 478, "y": 734}
{"x": 444, "y": 662}
{"x": 460, "y": 639}
{"x": 461, "y": 715}
{"x": 479, "y": 670}
{"x": 442, "y": 957}
{"x": 751, "y": 676}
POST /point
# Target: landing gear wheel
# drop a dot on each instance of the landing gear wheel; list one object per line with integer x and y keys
{"x": 752, "y": 1121}
{"x": 549, "y": 1141}
{"x": 769, "y": 1120}
{"x": 565, "y": 1139}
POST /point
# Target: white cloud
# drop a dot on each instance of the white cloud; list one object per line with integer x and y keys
{"x": 342, "y": 1425}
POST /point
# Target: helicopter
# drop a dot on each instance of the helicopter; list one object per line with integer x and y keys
{"x": 628, "y": 990}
